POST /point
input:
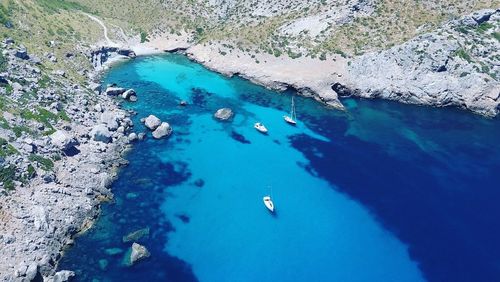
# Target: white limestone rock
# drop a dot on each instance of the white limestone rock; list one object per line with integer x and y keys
{"x": 163, "y": 130}
{"x": 152, "y": 122}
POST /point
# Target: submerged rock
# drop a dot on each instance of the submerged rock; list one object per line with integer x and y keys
{"x": 113, "y": 251}
{"x": 152, "y": 122}
{"x": 136, "y": 235}
{"x": 224, "y": 114}
{"x": 163, "y": 130}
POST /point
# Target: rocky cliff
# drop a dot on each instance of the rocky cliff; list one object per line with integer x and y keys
{"x": 456, "y": 65}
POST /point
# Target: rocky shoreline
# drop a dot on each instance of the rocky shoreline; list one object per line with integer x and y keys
{"x": 64, "y": 166}
{"x": 72, "y": 165}
{"x": 436, "y": 69}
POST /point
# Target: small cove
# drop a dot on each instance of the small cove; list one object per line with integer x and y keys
{"x": 384, "y": 192}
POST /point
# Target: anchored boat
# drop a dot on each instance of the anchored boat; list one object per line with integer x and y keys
{"x": 268, "y": 203}
{"x": 260, "y": 127}
{"x": 291, "y": 119}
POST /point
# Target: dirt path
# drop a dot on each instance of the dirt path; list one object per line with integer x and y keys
{"x": 109, "y": 41}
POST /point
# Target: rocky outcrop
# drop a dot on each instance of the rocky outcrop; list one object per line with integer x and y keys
{"x": 61, "y": 276}
{"x": 456, "y": 65}
{"x": 100, "y": 56}
{"x": 224, "y": 114}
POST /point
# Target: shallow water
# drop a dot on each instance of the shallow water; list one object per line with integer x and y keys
{"x": 383, "y": 192}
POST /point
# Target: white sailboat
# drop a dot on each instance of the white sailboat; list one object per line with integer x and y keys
{"x": 291, "y": 119}
{"x": 260, "y": 127}
{"x": 268, "y": 203}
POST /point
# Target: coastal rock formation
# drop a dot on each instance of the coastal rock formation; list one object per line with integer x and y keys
{"x": 152, "y": 122}
{"x": 446, "y": 67}
{"x": 61, "y": 276}
{"x": 56, "y": 170}
{"x": 163, "y": 130}
{"x": 100, "y": 56}
{"x": 224, "y": 114}
{"x": 138, "y": 252}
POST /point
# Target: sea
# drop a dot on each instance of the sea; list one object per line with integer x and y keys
{"x": 379, "y": 192}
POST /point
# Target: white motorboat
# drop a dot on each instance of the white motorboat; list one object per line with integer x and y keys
{"x": 260, "y": 127}
{"x": 291, "y": 119}
{"x": 268, "y": 203}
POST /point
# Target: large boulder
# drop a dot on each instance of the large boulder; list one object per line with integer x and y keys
{"x": 138, "y": 253}
{"x": 62, "y": 140}
{"x": 224, "y": 114}
{"x": 115, "y": 91}
{"x": 22, "y": 53}
{"x": 110, "y": 119}
{"x": 31, "y": 271}
{"x": 163, "y": 130}
{"x": 127, "y": 52}
{"x": 100, "y": 133}
{"x": 152, "y": 122}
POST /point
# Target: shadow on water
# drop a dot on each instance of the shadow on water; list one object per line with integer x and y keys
{"x": 443, "y": 203}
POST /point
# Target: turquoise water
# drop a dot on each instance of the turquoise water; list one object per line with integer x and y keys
{"x": 383, "y": 192}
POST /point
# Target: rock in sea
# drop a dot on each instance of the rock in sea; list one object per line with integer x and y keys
{"x": 163, "y": 130}
{"x": 224, "y": 114}
{"x": 152, "y": 122}
{"x": 114, "y": 91}
{"x": 130, "y": 95}
{"x": 138, "y": 253}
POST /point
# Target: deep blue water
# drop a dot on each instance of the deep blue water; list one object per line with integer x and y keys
{"x": 382, "y": 192}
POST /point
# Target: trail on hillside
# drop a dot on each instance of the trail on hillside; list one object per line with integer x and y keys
{"x": 109, "y": 41}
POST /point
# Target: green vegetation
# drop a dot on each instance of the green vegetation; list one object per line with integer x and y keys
{"x": 484, "y": 27}
{"x": 6, "y": 149}
{"x": 496, "y": 35}
{"x": 7, "y": 176}
{"x": 45, "y": 116}
{"x": 45, "y": 164}
{"x": 3, "y": 63}
{"x": 464, "y": 55}
{"x": 144, "y": 36}
{"x": 5, "y": 14}
{"x": 53, "y": 6}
